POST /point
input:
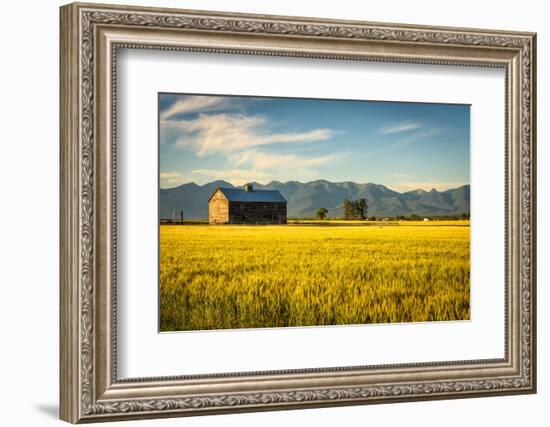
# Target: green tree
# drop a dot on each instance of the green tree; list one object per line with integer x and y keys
{"x": 322, "y": 213}
{"x": 355, "y": 209}
{"x": 348, "y": 209}
{"x": 362, "y": 208}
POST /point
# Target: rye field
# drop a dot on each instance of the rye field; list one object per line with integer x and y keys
{"x": 239, "y": 276}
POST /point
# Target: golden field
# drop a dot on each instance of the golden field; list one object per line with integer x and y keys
{"x": 238, "y": 276}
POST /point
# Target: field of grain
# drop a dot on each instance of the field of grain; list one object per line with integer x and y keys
{"x": 219, "y": 277}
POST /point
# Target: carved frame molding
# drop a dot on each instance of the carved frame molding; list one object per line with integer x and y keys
{"x": 90, "y": 37}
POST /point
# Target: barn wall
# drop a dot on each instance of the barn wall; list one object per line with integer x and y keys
{"x": 257, "y": 212}
{"x": 218, "y": 209}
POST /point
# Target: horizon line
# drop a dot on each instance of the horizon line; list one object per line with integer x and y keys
{"x": 316, "y": 180}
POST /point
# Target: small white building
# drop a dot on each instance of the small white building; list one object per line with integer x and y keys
{"x": 426, "y": 219}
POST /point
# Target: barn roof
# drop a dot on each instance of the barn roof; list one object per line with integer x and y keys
{"x": 240, "y": 195}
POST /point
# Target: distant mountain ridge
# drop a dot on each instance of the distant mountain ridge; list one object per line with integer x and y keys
{"x": 304, "y": 199}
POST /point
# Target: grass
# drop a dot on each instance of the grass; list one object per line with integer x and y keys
{"x": 218, "y": 277}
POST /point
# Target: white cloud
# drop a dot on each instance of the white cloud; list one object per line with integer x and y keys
{"x": 172, "y": 179}
{"x": 261, "y": 161}
{"x": 417, "y": 136}
{"x": 240, "y": 140}
{"x": 426, "y": 186}
{"x": 404, "y": 175}
{"x": 193, "y": 104}
{"x": 399, "y": 127}
{"x": 235, "y": 176}
{"x": 264, "y": 167}
{"x": 313, "y": 135}
{"x": 225, "y": 133}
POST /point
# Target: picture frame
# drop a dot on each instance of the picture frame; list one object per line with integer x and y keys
{"x": 91, "y": 35}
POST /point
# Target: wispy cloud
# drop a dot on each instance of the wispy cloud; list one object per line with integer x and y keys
{"x": 172, "y": 179}
{"x": 262, "y": 161}
{"x": 225, "y": 133}
{"x": 235, "y": 176}
{"x": 417, "y": 136}
{"x": 264, "y": 167}
{"x": 242, "y": 141}
{"x": 426, "y": 186}
{"x": 407, "y": 182}
{"x": 390, "y": 128}
{"x": 403, "y": 175}
{"x": 193, "y": 104}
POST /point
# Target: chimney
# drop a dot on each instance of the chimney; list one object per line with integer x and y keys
{"x": 248, "y": 187}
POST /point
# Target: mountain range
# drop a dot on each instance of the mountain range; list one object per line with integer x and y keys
{"x": 304, "y": 199}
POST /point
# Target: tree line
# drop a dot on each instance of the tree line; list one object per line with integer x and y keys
{"x": 352, "y": 209}
{"x": 357, "y": 209}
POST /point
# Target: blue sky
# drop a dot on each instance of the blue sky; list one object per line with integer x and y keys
{"x": 404, "y": 146}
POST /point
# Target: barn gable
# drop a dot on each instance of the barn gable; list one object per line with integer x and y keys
{"x": 220, "y": 192}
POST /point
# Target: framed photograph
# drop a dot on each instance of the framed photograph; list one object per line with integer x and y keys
{"x": 267, "y": 218}
{"x": 266, "y": 212}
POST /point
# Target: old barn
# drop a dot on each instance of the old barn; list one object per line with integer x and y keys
{"x": 246, "y": 206}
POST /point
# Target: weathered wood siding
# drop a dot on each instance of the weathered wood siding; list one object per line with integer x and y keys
{"x": 257, "y": 213}
{"x": 218, "y": 209}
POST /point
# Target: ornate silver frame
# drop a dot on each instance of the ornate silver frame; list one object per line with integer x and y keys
{"x": 90, "y": 36}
